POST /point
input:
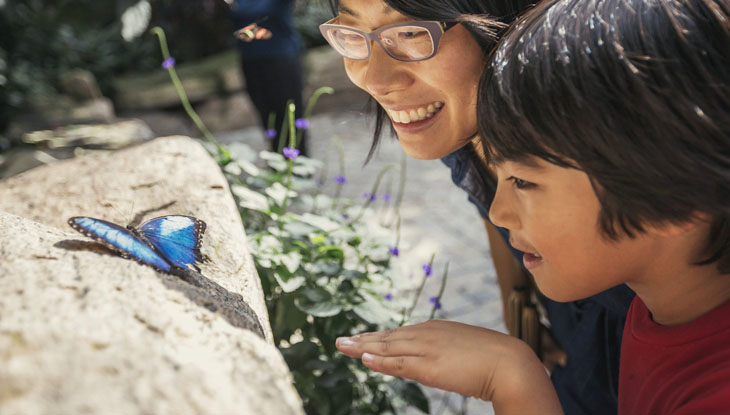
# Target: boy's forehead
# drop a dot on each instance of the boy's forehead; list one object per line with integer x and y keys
{"x": 527, "y": 161}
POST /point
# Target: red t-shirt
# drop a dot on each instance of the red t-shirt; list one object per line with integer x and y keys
{"x": 683, "y": 369}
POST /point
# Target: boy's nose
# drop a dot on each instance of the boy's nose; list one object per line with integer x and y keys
{"x": 502, "y": 212}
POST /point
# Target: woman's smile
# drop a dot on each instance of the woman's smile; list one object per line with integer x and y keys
{"x": 413, "y": 114}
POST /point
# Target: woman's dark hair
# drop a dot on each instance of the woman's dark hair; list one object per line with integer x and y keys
{"x": 634, "y": 93}
{"x": 478, "y": 16}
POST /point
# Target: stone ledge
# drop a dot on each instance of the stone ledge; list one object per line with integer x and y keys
{"x": 83, "y": 330}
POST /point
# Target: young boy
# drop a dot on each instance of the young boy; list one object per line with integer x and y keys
{"x": 608, "y": 124}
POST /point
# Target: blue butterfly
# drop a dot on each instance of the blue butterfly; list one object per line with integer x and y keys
{"x": 163, "y": 243}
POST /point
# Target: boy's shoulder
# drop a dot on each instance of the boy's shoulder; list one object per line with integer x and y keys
{"x": 675, "y": 369}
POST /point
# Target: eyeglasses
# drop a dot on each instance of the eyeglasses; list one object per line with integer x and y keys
{"x": 406, "y": 42}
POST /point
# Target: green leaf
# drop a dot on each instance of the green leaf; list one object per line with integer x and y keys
{"x": 298, "y": 354}
{"x": 317, "y": 221}
{"x": 315, "y": 294}
{"x": 330, "y": 379}
{"x": 241, "y": 151}
{"x": 374, "y": 311}
{"x": 291, "y": 260}
{"x": 288, "y": 282}
{"x": 353, "y": 274}
{"x": 277, "y": 192}
{"x": 318, "y": 302}
{"x": 250, "y": 199}
{"x": 331, "y": 251}
{"x": 298, "y": 230}
{"x": 248, "y": 167}
{"x": 327, "y": 267}
{"x": 301, "y": 245}
{"x": 317, "y": 238}
{"x": 411, "y": 393}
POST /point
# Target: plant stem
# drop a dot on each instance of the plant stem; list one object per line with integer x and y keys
{"x": 373, "y": 191}
{"x": 341, "y": 153}
{"x": 401, "y": 185}
{"x": 290, "y": 167}
{"x": 180, "y": 91}
{"x": 441, "y": 291}
{"x": 420, "y": 290}
{"x": 310, "y": 105}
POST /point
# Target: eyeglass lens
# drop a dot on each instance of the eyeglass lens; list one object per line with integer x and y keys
{"x": 401, "y": 42}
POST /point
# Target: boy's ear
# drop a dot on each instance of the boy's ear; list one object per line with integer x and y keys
{"x": 670, "y": 229}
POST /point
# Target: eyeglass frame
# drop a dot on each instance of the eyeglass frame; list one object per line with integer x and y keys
{"x": 430, "y": 25}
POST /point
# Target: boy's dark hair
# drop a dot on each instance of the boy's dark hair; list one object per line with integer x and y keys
{"x": 636, "y": 93}
{"x": 478, "y": 16}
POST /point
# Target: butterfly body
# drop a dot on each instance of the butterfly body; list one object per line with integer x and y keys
{"x": 164, "y": 243}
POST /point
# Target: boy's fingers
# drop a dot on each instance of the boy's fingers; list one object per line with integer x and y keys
{"x": 381, "y": 348}
{"x": 403, "y": 366}
{"x": 378, "y": 335}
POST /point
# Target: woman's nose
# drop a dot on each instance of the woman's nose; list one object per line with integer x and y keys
{"x": 502, "y": 212}
{"x": 384, "y": 74}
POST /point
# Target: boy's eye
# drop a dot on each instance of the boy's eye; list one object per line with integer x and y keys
{"x": 520, "y": 184}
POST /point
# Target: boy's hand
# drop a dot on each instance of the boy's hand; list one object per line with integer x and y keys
{"x": 468, "y": 360}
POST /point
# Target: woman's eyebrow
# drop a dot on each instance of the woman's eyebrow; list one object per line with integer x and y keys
{"x": 344, "y": 9}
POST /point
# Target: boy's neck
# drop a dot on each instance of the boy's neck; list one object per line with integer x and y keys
{"x": 677, "y": 292}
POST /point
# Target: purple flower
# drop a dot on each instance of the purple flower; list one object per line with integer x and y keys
{"x": 270, "y": 133}
{"x": 301, "y": 123}
{"x": 386, "y": 197}
{"x": 388, "y": 297}
{"x": 427, "y": 270}
{"x": 168, "y": 63}
{"x": 393, "y": 250}
{"x": 291, "y": 153}
{"x": 436, "y": 303}
{"x": 345, "y": 216}
{"x": 340, "y": 179}
{"x": 369, "y": 196}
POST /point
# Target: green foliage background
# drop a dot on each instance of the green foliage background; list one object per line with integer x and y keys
{"x": 41, "y": 40}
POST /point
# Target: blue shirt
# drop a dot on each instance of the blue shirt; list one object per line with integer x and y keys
{"x": 588, "y": 330}
{"x": 275, "y": 15}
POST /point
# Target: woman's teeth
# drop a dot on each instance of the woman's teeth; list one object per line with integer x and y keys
{"x": 417, "y": 114}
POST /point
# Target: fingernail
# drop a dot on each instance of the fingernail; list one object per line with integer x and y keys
{"x": 345, "y": 341}
{"x": 367, "y": 357}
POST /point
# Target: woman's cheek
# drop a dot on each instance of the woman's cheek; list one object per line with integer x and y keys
{"x": 355, "y": 71}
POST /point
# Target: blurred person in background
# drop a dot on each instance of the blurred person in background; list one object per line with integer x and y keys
{"x": 271, "y": 63}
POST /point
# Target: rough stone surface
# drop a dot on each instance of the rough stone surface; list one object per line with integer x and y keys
{"x": 85, "y": 331}
{"x": 106, "y": 136}
{"x": 73, "y": 140}
{"x": 59, "y": 110}
{"x": 80, "y": 85}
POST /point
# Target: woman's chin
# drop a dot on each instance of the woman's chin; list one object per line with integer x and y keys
{"x": 424, "y": 151}
{"x": 426, "y": 146}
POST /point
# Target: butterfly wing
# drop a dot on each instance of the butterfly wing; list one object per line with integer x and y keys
{"x": 119, "y": 240}
{"x": 177, "y": 238}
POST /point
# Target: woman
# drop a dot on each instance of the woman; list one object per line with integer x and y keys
{"x": 423, "y": 75}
